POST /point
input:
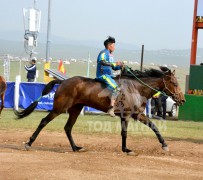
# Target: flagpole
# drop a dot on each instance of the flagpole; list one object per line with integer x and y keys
{"x": 48, "y": 32}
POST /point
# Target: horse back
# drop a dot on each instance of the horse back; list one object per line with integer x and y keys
{"x": 86, "y": 91}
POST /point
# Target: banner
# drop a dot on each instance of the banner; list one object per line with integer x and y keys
{"x": 9, "y": 95}
{"x": 91, "y": 110}
{"x": 29, "y": 92}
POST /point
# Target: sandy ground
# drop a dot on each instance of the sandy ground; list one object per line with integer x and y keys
{"x": 52, "y": 158}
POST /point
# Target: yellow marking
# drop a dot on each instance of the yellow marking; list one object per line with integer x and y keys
{"x": 103, "y": 56}
{"x": 157, "y": 94}
{"x": 199, "y": 19}
{"x": 114, "y": 64}
{"x": 109, "y": 81}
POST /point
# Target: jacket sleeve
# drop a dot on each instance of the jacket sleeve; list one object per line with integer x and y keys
{"x": 105, "y": 63}
{"x": 115, "y": 67}
{"x": 103, "y": 60}
{"x": 29, "y": 68}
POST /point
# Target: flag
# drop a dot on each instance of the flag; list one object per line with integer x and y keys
{"x": 62, "y": 67}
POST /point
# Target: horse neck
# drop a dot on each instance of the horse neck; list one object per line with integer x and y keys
{"x": 155, "y": 83}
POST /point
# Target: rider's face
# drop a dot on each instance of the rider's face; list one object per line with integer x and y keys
{"x": 111, "y": 47}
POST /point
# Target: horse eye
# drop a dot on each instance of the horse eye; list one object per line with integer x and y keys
{"x": 175, "y": 84}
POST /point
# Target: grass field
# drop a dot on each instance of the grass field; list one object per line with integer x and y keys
{"x": 102, "y": 124}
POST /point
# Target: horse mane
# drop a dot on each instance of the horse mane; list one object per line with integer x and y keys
{"x": 147, "y": 73}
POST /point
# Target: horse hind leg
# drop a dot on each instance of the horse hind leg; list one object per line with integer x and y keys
{"x": 42, "y": 124}
{"x": 73, "y": 115}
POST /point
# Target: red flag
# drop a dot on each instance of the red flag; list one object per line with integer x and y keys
{"x": 62, "y": 67}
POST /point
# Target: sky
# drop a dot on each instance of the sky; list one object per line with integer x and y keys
{"x": 159, "y": 24}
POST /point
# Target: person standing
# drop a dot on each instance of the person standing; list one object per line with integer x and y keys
{"x": 163, "y": 100}
{"x": 156, "y": 105}
{"x": 31, "y": 70}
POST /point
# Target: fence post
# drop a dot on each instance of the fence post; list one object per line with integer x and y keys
{"x": 17, "y": 91}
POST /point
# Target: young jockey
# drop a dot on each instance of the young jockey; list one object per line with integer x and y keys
{"x": 105, "y": 64}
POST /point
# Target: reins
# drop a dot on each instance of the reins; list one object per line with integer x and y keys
{"x": 142, "y": 82}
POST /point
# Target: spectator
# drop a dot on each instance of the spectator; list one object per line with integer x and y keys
{"x": 163, "y": 100}
{"x": 156, "y": 106}
{"x": 31, "y": 70}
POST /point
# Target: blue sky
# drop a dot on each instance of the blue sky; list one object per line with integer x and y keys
{"x": 200, "y": 8}
{"x": 159, "y": 24}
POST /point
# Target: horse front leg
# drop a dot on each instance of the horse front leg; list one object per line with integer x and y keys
{"x": 124, "y": 126}
{"x": 145, "y": 120}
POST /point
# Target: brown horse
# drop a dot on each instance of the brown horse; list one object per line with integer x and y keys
{"x": 136, "y": 87}
{"x": 2, "y": 92}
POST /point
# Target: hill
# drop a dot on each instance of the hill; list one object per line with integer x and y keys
{"x": 12, "y": 43}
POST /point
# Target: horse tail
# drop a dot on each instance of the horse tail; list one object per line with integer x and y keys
{"x": 32, "y": 106}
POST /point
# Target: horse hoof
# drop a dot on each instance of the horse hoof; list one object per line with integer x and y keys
{"x": 82, "y": 150}
{"x": 165, "y": 148}
{"x": 79, "y": 149}
{"x": 131, "y": 153}
{"x": 27, "y": 147}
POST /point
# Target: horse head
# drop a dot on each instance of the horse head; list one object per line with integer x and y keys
{"x": 171, "y": 86}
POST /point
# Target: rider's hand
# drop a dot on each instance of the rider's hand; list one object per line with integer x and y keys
{"x": 119, "y": 63}
{"x": 123, "y": 64}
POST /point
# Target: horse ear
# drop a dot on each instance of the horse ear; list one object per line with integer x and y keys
{"x": 165, "y": 69}
{"x": 174, "y": 71}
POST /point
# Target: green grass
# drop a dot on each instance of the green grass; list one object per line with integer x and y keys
{"x": 102, "y": 124}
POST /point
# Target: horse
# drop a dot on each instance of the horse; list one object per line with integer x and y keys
{"x": 136, "y": 88}
{"x": 2, "y": 92}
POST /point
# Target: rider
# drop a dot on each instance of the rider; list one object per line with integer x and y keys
{"x": 105, "y": 64}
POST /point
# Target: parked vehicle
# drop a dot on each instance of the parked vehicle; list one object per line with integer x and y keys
{"x": 171, "y": 107}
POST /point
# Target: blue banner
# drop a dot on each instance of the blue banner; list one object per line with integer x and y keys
{"x": 91, "y": 110}
{"x": 29, "y": 92}
{"x": 9, "y": 95}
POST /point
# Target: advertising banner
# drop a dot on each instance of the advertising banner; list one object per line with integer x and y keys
{"x": 9, "y": 95}
{"x": 29, "y": 92}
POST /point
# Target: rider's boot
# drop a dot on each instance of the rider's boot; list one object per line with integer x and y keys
{"x": 113, "y": 100}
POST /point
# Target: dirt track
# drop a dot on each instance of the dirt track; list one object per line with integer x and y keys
{"x": 51, "y": 157}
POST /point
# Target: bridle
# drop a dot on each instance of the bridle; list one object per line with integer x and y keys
{"x": 173, "y": 95}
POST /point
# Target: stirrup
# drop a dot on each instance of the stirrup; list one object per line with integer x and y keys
{"x": 118, "y": 89}
{"x": 111, "y": 112}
